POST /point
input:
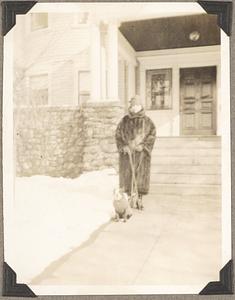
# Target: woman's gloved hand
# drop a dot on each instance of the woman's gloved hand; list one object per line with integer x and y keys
{"x": 126, "y": 149}
{"x": 139, "y": 148}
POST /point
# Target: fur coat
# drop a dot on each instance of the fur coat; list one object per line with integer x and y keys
{"x": 135, "y": 129}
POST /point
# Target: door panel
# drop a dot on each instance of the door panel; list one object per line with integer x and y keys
{"x": 189, "y": 121}
{"x": 198, "y": 101}
{"x": 206, "y": 120}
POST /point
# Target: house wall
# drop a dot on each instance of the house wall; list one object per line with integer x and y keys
{"x": 168, "y": 121}
{"x": 60, "y": 51}
{"x": 61, "y": 39}
{"x": 62, "y": 83}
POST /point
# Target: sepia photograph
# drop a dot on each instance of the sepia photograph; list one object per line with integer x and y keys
{"x": 116, "y": 148}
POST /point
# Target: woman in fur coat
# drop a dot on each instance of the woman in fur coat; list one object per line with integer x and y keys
{"x": 135, "y": 136}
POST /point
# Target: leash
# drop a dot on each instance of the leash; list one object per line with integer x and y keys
{"x": 134, "y": 185}
{"x": 133, "y": 179}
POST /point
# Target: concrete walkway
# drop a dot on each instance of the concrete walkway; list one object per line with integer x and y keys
{"x": 175, "y": 240}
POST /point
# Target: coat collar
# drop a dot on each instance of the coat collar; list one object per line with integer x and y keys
{"x": 139, "y": 114}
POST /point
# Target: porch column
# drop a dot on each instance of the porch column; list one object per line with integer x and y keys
{"x": 103, "y": 74}
{"x": 112, "y": 49}
{"x": 131, "y": 81}
{"x": 95, "y": 63}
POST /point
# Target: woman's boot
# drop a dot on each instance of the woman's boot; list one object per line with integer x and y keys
{"x": 140, "y": 202}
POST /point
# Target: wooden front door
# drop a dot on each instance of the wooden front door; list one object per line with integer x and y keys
{"x": 198, "y": 101}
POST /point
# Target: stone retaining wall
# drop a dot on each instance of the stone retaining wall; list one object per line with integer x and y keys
{"x": 49, "y": 141}
{"x": 65, "y": 141}
{"x": 100, "y": 122}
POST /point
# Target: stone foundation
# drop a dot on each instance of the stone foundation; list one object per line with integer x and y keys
{"x": 65, "y": 141}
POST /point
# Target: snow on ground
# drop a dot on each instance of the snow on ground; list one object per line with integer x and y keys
{"x": 55, "y": 215}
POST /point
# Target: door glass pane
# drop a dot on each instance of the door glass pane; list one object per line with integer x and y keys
{"x": 159, "y": 89}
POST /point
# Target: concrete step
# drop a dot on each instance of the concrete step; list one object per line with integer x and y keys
{"x": 193, "y": 160}
{"x": 186, "y": 179}
{"x": 186, "y": 151}
{"x": 199, "y": 200}
{"x": 202, "y": 138}
{"x": 185, "y": 189}
{"x": 182, "y": 142}
{"x": 179, "y": 144}
{"x": 186, "y": 169}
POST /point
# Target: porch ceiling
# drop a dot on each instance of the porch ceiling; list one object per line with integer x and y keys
{"x": 170, "y": 33}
